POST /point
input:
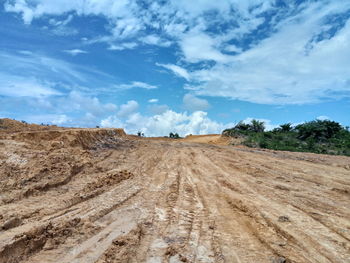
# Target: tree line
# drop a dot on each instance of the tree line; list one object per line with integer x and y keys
{"x": 318, "y": 136}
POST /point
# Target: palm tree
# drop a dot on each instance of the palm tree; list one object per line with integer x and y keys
{"x": 286, "y": 127}
{"x": 257, "y": 126}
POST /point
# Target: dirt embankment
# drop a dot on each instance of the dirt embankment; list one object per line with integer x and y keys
{"x": 9, "y": 125}
{"x": 98, "y": 195}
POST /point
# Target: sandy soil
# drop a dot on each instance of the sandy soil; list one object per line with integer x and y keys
{"x": 98, "y": 195}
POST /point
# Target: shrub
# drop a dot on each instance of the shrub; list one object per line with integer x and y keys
{"x": 318, "y": 130}
{"x": 257, "y": 126}
{"x": 314, "y": 136}
{"x": 174, "y": 135}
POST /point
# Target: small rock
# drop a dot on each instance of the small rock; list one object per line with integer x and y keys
{"x": 50, "y": 244}
{"x": 11, "y": 223}
{"x": 279, "y": 260}
{"x": 283, "y": 219}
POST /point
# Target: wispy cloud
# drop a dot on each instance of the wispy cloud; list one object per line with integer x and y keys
{"x": 177, "y": 70}
{"x": 136, "y": 84}
{"x": 153, "y": 100}
{"x": 62, "y": 75}
{"x": 75, "y": 52}
{"x": 16, "y": 86}
{"x": 122, "y": 46}
{"x": 261, "y": 51}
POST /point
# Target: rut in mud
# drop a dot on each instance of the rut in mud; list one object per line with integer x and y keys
{"x": 101, "y": 196}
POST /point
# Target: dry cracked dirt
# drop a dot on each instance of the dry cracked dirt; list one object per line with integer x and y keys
{"x": 99, "y": 195}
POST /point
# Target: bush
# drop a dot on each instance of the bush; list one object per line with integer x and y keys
{"x": 318, "y": 130}
{"x": 315, "y": 136}
{"x": 242, "y": 128}
{"x": 174, "y": 135}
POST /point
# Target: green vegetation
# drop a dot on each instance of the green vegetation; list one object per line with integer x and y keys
{"x": 174, "y": 135}
{"x": 316, "y": 136}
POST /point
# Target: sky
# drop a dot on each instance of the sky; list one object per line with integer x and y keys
{"x": 161, "y": 66}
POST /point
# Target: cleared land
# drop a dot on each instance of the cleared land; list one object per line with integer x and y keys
{"x": 98, "y": 195}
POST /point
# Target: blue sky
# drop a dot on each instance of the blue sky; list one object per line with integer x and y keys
{"x": 174, "y": 66}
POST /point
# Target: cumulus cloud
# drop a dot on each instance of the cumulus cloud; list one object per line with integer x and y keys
{"x": 169, "y": 121}
{"x": 82, "y": 102}
{"x": 158, "y": 109}
{"x": 76, "y": 109}
{"x": 127, "y": 109}
{"x": 192, "y": 103}
{"x": 111, "y": 122}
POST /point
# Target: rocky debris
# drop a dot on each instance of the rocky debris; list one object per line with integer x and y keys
{"x": 11, "y": 223}
{"x": 283, "y": 219}
{"x": 279, "y": 260}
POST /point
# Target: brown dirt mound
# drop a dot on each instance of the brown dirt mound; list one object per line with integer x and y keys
{"x": 8, "y": 125}
{"x": 85, "y": 138}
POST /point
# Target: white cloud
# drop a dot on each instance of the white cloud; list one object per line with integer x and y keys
{"x": 233, "y": 48}
{"x": 75, "y": 52}
{"x": 177, "y": 70}
{"x": 111, "y": 122}
{"x": 155, "y": 40}
{"x": 56, "y": 119}
{"x": 137, "y": 84}
{"x": 288, "y": 58}
{"x": 21, "y": 7}
{"x": 16, "y": 86}
{"x": 169, "y": 121}
{"x": 55, "y": 22}
{"x": 268, "y": 125}
{"x": 323, "y": 118}
{"x": 127, "y": 109}
{"x": 197, "y": 47}
{"x": 192, "y": 103}
{"x": 158, "y": 109}
{"x": 278, "y": 71}
{"x": 81, "y": 102}
{"x": 60, "y": 119}
{"x": 122, "y": 46}
{"x": 76, "y": 109}
{"x": 153, "y": 100}
{"x": 51, "y": 70}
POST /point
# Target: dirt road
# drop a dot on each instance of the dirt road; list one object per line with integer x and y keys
{"x": 101, "y": 196}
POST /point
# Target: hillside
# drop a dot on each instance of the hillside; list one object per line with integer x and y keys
{"x": 99, "y": 195}
{"x": 9, "y": 125}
